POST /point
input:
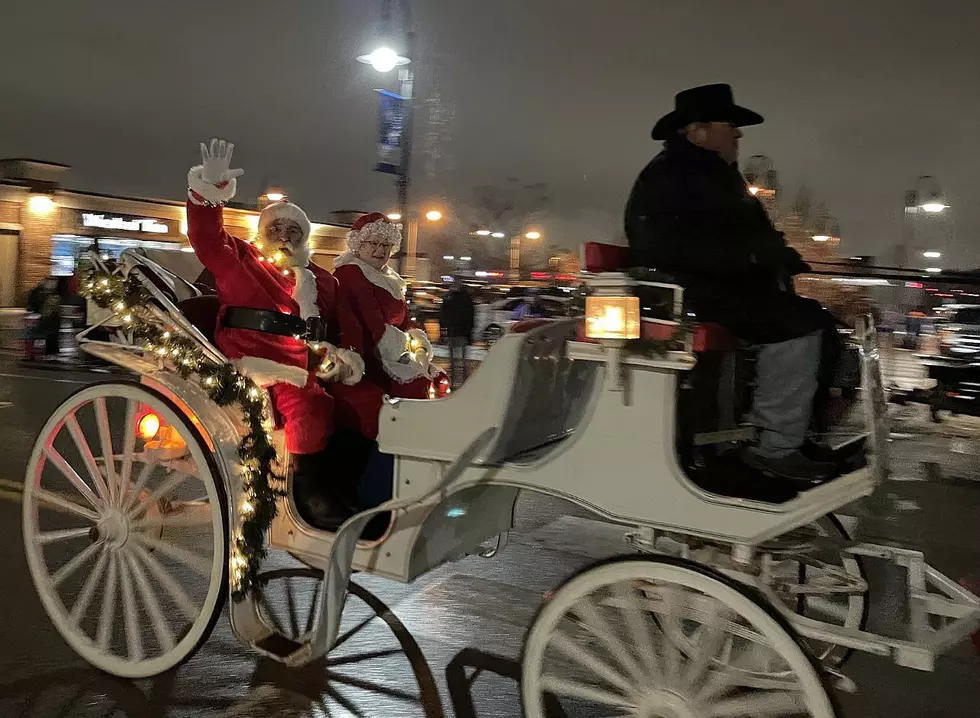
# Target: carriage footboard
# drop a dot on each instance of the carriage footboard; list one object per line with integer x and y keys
{"x": 938, "y": 612}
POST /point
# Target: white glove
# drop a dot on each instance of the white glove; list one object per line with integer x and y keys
{"x": 214, "y": 180}
{"x": 216, "y": 163}
{"x": 341, "y": 365}
{"x": 423, "y": 343}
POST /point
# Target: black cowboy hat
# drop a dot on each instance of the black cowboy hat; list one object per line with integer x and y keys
{"x": 708, "y": 103}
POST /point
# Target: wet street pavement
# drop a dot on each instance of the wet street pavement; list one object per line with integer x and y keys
{"x": 448, "y": 645}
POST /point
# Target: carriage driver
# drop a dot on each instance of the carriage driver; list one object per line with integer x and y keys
{"x": 275, "y": 305}
{"x": 692, "y": 216}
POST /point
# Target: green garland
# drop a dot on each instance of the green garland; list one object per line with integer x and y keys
{"x": 262, "y": 487}
{"x": 658, "y": 348}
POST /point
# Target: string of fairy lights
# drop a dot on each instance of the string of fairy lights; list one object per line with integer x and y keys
{"x": 261, "y": 484}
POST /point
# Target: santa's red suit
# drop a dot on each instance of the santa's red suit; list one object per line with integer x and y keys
{"x": 245, "y": 278}
{"x": 397, "y": 356}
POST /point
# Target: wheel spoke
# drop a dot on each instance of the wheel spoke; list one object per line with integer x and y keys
{"x": 196, "y": 562}
{"x": 639, "y": 625}
{"x": 134, "y": 642}
{"x": 108, "y": 456}
{"x": 162, "y": 490}
{"x": 107, "y": 616}
{"x": 130, "y": 496}
{"x": 707, "y": 643}
{"x": 160, "y": 626}
{"x": 69, "y": 473}
{"x": 196, "y": 515}
{"x": 585, "y": 659}
{"x": 88, "y": 590}
{"x": 574, "y": 689}
{"x": 607, "y": 635}
{"x": 129, "y": 449}
{"x": 46, "y": 537}
{"x": 179, "y": 596}
{"x": 49, "y": 497}
{"x": 76, "y": 563}
{"x": 81, "y": 443}
{"x": 759, "y": 703}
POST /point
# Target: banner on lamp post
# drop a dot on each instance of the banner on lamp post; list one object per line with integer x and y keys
{"x": 391, "y": 128}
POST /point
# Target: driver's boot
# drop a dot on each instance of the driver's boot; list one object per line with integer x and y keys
{"x": 318, "y": 504}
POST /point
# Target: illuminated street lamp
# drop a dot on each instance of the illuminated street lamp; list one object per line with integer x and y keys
{"x": 384, "y": 59}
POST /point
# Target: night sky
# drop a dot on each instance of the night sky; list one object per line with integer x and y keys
{"x": 860, "y": 97}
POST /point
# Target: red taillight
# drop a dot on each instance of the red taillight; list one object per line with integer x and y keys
{"x": 148, "y": 426}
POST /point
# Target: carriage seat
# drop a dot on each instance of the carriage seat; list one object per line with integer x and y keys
{"x": 202, "y": 312}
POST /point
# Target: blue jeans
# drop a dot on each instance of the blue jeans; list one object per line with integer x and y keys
{"x": 786, "y": 382}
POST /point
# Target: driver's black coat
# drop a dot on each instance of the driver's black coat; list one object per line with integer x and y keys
{"x": 690, "y": 215}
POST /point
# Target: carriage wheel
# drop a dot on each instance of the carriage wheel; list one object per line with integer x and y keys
{"x": 659, "y": 637}
{"x": 125, "y": 529}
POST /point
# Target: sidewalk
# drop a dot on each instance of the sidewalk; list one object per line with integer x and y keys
{"x": 12, "y": 332}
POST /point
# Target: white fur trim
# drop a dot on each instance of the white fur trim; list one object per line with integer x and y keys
{"x": 304, "y": 292}
{"x": 387, "y": 278}
{"x": 285, "y": 210}
{"x": 354, "y": 363}
{"x": 266, "y": 372}
{"x": 398, "y": 363}
{"x": 421, "y": 337}
{"x": 383, "y": 231}
{"x": 210, "y": 192}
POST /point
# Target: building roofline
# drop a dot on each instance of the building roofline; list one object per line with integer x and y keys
{"x": 153, "y": 200}
{"x": 33, "y": 159}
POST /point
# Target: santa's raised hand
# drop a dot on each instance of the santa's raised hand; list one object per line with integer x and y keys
{"x": 213, "y": 180}
{"x": 216, "y": 162}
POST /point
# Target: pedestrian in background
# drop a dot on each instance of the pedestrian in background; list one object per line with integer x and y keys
{"x": 456, "y": 319}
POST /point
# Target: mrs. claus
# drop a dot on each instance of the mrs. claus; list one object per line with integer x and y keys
{"x": 397, "y": 356}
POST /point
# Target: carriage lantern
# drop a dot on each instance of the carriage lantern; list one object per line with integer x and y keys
{"x": 612, "y": 317}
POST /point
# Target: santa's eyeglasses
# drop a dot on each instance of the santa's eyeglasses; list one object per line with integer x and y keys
{"x": 287, "y": 230}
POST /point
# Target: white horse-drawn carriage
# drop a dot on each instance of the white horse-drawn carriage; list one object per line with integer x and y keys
{"x": 720, "y": 606}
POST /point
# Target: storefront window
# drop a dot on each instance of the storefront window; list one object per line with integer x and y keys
{"x": 66, "y": 249}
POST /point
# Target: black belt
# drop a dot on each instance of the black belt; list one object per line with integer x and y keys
{"x": 313, "y": 329}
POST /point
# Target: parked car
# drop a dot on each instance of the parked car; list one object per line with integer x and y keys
{"x": 495, "y": 319}
{"x": 959, "y": 334}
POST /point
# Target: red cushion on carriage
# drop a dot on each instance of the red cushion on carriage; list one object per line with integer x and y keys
{"x": 710, "y": 337}
{"x": 707, "y": 337}
{"x": 606, "y": 257}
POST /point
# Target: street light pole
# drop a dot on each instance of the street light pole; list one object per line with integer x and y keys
{"x": 384, "y": 59}
{"x": 406, "y": 262}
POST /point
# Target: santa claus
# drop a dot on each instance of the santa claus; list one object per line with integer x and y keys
{"x": 282, "y": 322}
{"x": 397, "y": 356}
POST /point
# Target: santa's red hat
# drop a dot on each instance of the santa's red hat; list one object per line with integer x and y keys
{"x": 374, "y": 225}
{"x": 285, "y": 210}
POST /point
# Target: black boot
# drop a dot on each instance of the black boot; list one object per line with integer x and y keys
{"x": 318, "y": 506}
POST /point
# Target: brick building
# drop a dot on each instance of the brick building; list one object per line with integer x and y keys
{"x": 45, "y": 227}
